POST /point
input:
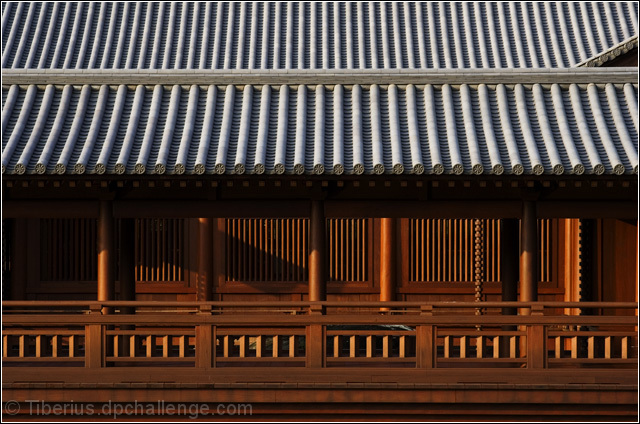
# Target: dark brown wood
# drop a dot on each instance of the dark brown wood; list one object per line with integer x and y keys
{"x": 509, "y": 263}
{"x": 127, "y": 264}
{"x": 422, "y": 209}
{"x": 19, "y": 259}
{"x": 587, "y": 210}
{"x": 315, "y": 346}
{"x": 387, "y": 259}
{"x": 50, "y": 209}
{"x": 529, "y": 253}
{"x": 106, "y": 253}
{"x": 212, "y": 209}
{"x": 317, "y": 261}
{"x": 204, "y": 289}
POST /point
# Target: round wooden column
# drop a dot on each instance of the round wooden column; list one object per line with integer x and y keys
{"x": 387, "y": 260}
{"x": 205, "y": 260}
{"x": 106, "y": 253}
{"x": 317, "y": 232}
{"x": 529, "y": 253}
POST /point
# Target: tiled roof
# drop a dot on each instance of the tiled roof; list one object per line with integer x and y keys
{"x": 311, "y": 35}
{"x": 376, "y": 129}
{"x": 316, "y": 88}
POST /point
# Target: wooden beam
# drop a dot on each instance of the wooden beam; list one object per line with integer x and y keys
{"x": 317, "y": 261}
{"x": 387, "y": 260}
{"x": 50, "y": 209}
{"x": 529, "y": 253}
{"x": 205, "y": 260}
{"x": 211, "y": 209}
{"x": 106, "y": 252}
{"x": 423, "y": 209}
{"x": 588, "y": 210}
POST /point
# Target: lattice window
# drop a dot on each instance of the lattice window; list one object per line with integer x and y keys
{"x": 68, "y": 249}
{"x": 443, "y": 250}
{"x": 348, "y": 247}
{"x": 267, "y": 250}
{"x": 160, "y": 250}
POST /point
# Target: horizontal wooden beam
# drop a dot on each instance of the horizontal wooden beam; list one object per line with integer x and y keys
{"x": 211, "y": 209}
{"x": 50, "y": 209}
{"x": 423, "y": 209}
{"x": 301, "y": 208}
{"x": 587, "y": 210}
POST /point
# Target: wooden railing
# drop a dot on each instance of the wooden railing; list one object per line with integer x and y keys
{"x": 317, "y": 334}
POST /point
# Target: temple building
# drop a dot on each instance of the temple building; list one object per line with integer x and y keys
{"x": 320, "y": 210}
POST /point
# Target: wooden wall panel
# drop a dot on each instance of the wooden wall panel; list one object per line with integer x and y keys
{"x": 619, "y": 262}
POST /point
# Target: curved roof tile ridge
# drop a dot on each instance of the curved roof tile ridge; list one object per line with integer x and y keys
{"x": 312, "y": 35}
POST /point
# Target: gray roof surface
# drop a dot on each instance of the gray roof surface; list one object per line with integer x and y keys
{"x": 280, "y": 88}
{"x": 311, "y": 35}
{"x": 376, "y": 129}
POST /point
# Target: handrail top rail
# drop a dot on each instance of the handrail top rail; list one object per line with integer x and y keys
{"x": 329, "y": 304}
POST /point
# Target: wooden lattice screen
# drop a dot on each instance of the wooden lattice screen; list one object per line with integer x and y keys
{"x": 160, "y": 250}
{"x": 68, "y": 249}
{"x": 267, "y": 249}
{"x": 348, "y": 246}
{"x": 443, "y": 249}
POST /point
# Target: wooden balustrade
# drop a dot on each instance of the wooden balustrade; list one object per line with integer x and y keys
{"x": 213, "y": 334}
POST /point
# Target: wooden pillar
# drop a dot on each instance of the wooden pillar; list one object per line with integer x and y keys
{"x": 106, "y": 253}
{"x": 529, "y": 253}
{"x": 317, "y": 230}
{"x": 205, "y": 260}
{"x": 19, "y": 259}
{"x": 387, "y": 260}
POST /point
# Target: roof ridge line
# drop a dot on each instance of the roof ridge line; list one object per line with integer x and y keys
{"x": 581, "y": 75}
{"x": 611, "y": 53}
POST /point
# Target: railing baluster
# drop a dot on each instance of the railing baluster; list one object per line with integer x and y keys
{"x": 463, "y": 347}
{"x": 336, "y": 346}
{"x": 275, "y": 346}
{"x": 258, "y": 346}
{"x": 447, "y": 341}
{"x": 38, "y": 346}
{"x": 558, "y": 352}
{"x": 181, "y": 349}
{"x": 607, "y": 347}
{"x": 369, "y": 346}
{"x": 165, "y": 346}
{"x": 352, "y": 346}
{"x": 402, "y": 347}
{"x": 574, "y": 347}
{"x": 132, "y": 346}
{"x": 590, "y": 353}
{"x": 479, "y": 346}
{"x": 116, "y": 346}
{"x": 242, "y": 344}
{"x": 149, "y": 340}
{"x": 292, "y": 347}
{"x": 226, "y": 347}
{"x": 5, "y": 346}
{"x": 496, "y": 347}
{"x": 385, "y": 346}
{"x": 624, "y": 345}
{"x": 512, "y": 347}
{"x": 21, "y": 346}
{"x": 72, "y": 346}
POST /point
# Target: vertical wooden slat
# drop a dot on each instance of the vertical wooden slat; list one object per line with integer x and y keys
{"x": 512, "y": 346}
{"x": 181, "y": 346}
{"x": 116, "y": 345}
{"x": 242, "y": 344}
{"x": 149, "y": 341}
{"x": 624, "y": 347}
{"x": 463, "y": 346}
{"x": 607, "y": 347}
{"x": 369, "y": 346}
{"x": 496, "y": 347}
{"x": 55, "y": 343}
{"x": 72, "y": 346}
{"x": 38, "y": 346}
{"x": 590, "y": 350}
{"x": 479, "y": 346}
{"x": 132, "y": 346}
{"x": 275, "y": 346}
{"x": 402, "y": 351}
{"x": 225, "y": 347}
{"x": 292, "y": 346}
{"x": 336, "y": 346}
{"x": 385, "y": 346}
{"x": 447, "y": 346}
{"x": 165, "y": 346}
{"x": 352, "y": 346}
{"x": 574, "y": 347}
{"x": 258, "y": 346}
{"x": 558, "y": 348}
